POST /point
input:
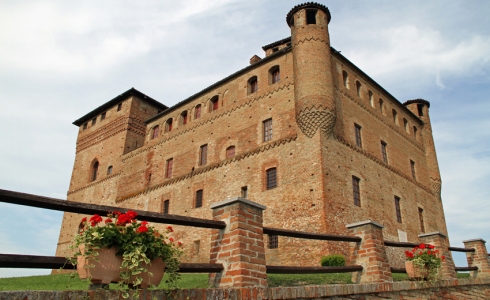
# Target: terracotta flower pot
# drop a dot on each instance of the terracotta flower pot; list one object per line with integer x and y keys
{"x": 157, "y": 268}
{"x": 105, "y": 271}
{"x": 416, "y": 272}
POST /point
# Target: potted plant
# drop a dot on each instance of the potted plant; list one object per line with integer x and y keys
{"x": 423, "y": 262}
{"x": 121, "y": 249}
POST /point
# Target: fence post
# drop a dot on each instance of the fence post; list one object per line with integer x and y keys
{"x": 240, "y": 246}
{"x": 439, "y": 240}
{"x": 479, "y": 258}
{"x": 369, "y": 253}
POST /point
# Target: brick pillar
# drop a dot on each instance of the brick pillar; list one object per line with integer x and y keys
{"x": 369, "y": 253}
{"x": 479, "y": 258}
{"x": 240, "y": 246}
{"x": 439, "y": 240}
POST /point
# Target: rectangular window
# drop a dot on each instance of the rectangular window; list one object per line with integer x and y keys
{"x": 415, "y": 132}
{"x": 198, "y": 198}
{"x": 166, "y": 206}
{"x": 119, "y": 106}
{"x": 421, "y": 218}
{"x": 412, "y": 167}
{"x": 383, "y": 152}
{"x": 197, "y": 112}
{"x": 276, "y": 76}
{"x": 203, "y": 155}
{"x": 94, "y": 120}
{"x": 397, "y": 209}
{"x": 85, "y": 126}
{"x": 356, "y": 190}
{"x": 273, "y": 241}
{"x": 311, "y": 16}
{"x": 420, "y": 109}
{"x": 169, "y": 168}
{"x": 405, "y": 124}
{"x": 267, "y": 130}
{"x": 381, "y": 106}
{"x": 271, "y": 178}
{"x": 102, "y": 116}
{"x": 244, "y": 193}
{"x": 357, "y": 129}
{"x": 395, "y": 117}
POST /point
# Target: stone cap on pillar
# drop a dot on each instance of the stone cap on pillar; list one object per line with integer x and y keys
{"x": 364, "y": 223}
{"x": 475, "y": 240}
{"x": 237, "y": 199}
{"x": 432, "y": 233}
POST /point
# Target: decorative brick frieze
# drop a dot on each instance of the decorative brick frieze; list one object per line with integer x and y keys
{"x": 92, "y": 184}
{"x": 440, "y": 241}
{"x": 479, "y": 258}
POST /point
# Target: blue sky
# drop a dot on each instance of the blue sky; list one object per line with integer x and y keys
{"x": 60, "y": 60}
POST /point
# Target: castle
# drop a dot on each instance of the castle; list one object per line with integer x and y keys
{"x": 302, "y": 131}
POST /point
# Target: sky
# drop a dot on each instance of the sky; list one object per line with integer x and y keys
{"x": 60, "y": 59}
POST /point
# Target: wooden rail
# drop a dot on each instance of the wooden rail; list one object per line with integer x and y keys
{"x": 89, "y": 209}
{"x": 461, "y": 249}
{"x": 311, "y": 236}
{"x": 398, "y": 270}
{"x": 311, "y": 270}
{"x": 400, "y": 244}
{"x": 57, "y": 262}
{"x": 462, "y": 269}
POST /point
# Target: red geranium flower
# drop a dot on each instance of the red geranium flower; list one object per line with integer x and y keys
{"x": 431, "y": 246}
{"x": 144, "y": 223}
{"x": 84, "y": 220}
{"x": 170, "y": 229}
{"x": 108, "y": 220}
{"x": 179, "y": 243}
{"x": 95, "y": 220}
{"x": 171, "y": 240}
{"x": 142, "y": 229}
{"x": 422, "y": 246}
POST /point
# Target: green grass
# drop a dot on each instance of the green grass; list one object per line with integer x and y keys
{"x": 188, "y": 281}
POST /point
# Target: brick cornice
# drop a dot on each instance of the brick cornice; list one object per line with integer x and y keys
{"x": 97, "y": 182}
{"x": 210, "y": 167}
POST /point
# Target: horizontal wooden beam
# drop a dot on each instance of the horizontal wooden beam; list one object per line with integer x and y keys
{"x": 311, "y": 236}
{"x": 398, "y": 270}
{"x": 20, "y": 261}
{"x": 462, "y": 269}
{"x": 311, "y": 270}
{"x": 90, "y": 209}
{"x": 461, "y": 249}
{"x": 400, "y": 244}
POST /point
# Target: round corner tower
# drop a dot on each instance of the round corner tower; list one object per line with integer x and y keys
{"x": 313, "y": 82}
{"x": 420, "y": 108}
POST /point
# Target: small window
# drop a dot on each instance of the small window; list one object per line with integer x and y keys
{"x": 397, "y": 209}
{"x": 109, "y": 170}
{"x": 149, "y": 180}
{"x": 395, "y": 116}
{"x": 94, "y": 120}
{"x": 119, "y": 106}
{"x": 371, "y": 98}
{"x": 381, "y": 106}
{"x": 166, "y": 206}
{"x": 183, "y": 117}
{"x": 85, "y": 126}
{"x": 274, "y": 75}
{"x": 271, "y": 178}
{"x": 198, "y": 198}
{"x": 345, "y": 78}
{"x": 357, "y": 129}
{"x": 169, "y": 168}
{"x": 203, "y": 155}
{"x": 230, "y": 152}
{"x": 267, "y": 125}
{"x": 95, "y": 169}
{"x": 405, "y": 125}
{"x": 197, "y": 111}
{"x": 213, "y": 104}
{"x": 421, "y": 218}
{"x": 383, "y": 152}
{"x": 102, "y": 116}
{"x": 168, "y": 125}
{"x": 358, "y": 88}
{"x": 253, "y": 85}
{"x": 154, "y": 132}
{"x": 273, "y": 241}
{"x": 244, "y": 192}
{"x": 412, "y": 167}
{"x": 356, "y": 191}
{"x": 415, "y": 131}
{"x": 311, "y": 16}
{"x": 420, "y": 109}
{"x": 275, "y": 49}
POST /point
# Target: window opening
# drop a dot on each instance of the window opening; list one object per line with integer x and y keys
{"x": 102, "y": 116}
{"x": 155, "y": 132}
{"x": 383, "y": 151}
{"x": 371, "y": 98}
{"x": 85, "y": 126}
{"x": 203, "y": 155}
{"x": 213, "y": 105}
{"x": 183, "y": 117}
{"x": 94, "y": 120}
{"x": 415, "y": 132}
{"x": 358, "y": 88}
{"x": 405, "y": 124}
{"x": 311, "y": 16}
{"x": 395, "y": 117}
{"x": 412, "y": 167}
{"x": 273, "y": 241}
{"x": 345, "y": 78}
{"x": 95, "y": 168}
{"x": 275, "y": 49}
{"x": 166, "y": 206}
{"x": 271, "y": 178}
{"x": 168, "y": 125}
{"x": 244, "y": 192}
{"x": 356, "y": 191}
{"x": 274, "y": 75}
{"x": 149, "y": 180}
{"x": 198, "y": 198}
{"x": 381, "y": 106}
{"x": 357, "y": 129}
{"x": 397, "y": 208}
{"x": 109, "y": 170}
{"x": 267, "y": 124}
{"x": 421, "y": 218}
{"x": 253, "y": 85}
{"x": 420, "y": 109}
{"x": 169, "y": 168}
{"x": 197, "y": 111}
{"x": 230, "y": 152}
{"x": 119, "y": 106}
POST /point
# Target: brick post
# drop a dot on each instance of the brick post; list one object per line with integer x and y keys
{"x": 439, "y": 240}
{"x": 479, "y": 258}
{"x": 240, "y": 246}
{"x": 369, "y": 253}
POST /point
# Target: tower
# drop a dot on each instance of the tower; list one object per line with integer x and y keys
{"x": 313, "y": 90}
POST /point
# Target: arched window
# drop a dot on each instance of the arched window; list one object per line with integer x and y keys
{"x": 155, "y": 131}
{"x": 395, "y": 116}
{"x": 371, "y": 98}
{"x": 230, "y": 152}
{"x": 381, "y": 106}
{"x": 197, "y": 111}
{"x": 183, "y": 117}
{"x": 109, "y": 170}
{"x": 358, "y": 88}
{"x": 213, "y": 104}
{"x": 345, "y": 78}
{"x": 168, "y": 125}
{"x": 95, "y": 169}
{"x": 253, "y": 85}
{"x": 274, "y": 75}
